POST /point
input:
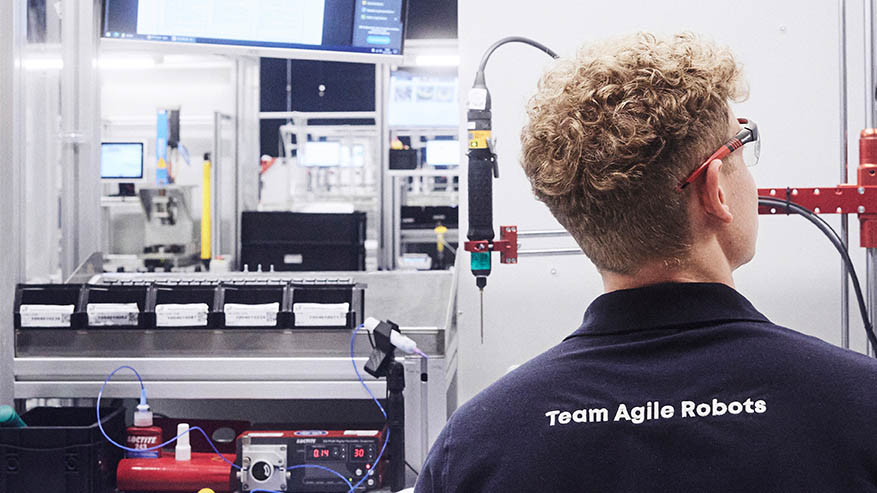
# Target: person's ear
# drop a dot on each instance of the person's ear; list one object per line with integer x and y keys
{"x": 712, "y": 197}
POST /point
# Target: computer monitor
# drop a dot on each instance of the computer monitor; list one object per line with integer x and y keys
{"x": 443, "y": 152}
{"x": 320, "y": 154}
{"x": 421, "y": 99}
{"x": 327, "y": 154}
{"x": 121, "y": 161}
{"x": 353, "y": 156}
{"x": 339, "y": 30}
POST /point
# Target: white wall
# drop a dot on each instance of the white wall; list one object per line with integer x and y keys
{"x": 790, "y": 54}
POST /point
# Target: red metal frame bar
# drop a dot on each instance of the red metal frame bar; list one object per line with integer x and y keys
{"x": 860, "y": 199}
{"x": 842, "y": 199}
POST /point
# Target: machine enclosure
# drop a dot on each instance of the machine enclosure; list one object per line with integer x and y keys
{"x": 349, "y": 452}
{"x": 293, "y": 241}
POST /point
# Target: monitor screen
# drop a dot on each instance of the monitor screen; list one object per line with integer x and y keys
{"x": 328, "y": 154}
{"x": 443, "y": 152}
{"x": 420, "y": 99}
{"x": 121, "y": 160}
{"x": 321, "y": 154}
{"x": 353, "y": 156}
{"x": 373, "y": 27}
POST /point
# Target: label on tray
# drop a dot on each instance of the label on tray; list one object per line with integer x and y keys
{"x": 243, "y": 315}
{"x": 112, "y": 314}
{"x": 321, "y": 314}
{"x": 181, "y": 315}
{"x": 45, "y": 315}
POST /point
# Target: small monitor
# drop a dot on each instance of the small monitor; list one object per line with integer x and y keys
{"x": 423, "y": 99}
{"x": 443, "y": 152}
{"x": 353, "y": 156}
{"x": 321, "y": 154}
{"x": 121, "y": 161}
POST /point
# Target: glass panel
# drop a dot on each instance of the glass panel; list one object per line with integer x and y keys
{"x": 325, "y": 163}
{"x": 423, "y": 115}
{"x": 43, "y": 63}
{"x": 168, "y": 103}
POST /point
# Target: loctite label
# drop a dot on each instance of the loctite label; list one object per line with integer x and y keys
{"x": 143, "y": 438}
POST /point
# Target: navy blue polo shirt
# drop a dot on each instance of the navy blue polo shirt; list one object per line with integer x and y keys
{"x": 671, "y": 387}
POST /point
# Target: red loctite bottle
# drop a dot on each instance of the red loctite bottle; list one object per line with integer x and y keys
{"x": 143, "y": 435}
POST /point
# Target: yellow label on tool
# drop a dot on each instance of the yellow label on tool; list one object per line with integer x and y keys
{"x": 478, "y": 139}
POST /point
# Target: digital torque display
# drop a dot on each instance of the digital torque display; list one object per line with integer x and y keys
{"x": 334, "y": 452}
{"x": 272, "y": 460}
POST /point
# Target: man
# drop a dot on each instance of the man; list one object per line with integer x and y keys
{"x": 674, "y": 381}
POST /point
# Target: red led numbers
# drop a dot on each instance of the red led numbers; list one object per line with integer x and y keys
{"x": 359, "y": 453}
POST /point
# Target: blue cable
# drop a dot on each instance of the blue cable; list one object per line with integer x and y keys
{"x": 143, "y": 398}
{"x": 210, "y": 442}
{"x": 356, "y": 370}
{"x": 377, "y": 461}
{"x": 352, "y": 487}
{"x": 358, "y": 375}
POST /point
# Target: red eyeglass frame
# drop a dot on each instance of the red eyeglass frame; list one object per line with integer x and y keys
{"x": 747, "y": 134}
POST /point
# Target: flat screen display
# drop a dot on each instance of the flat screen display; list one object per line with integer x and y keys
{"x": 352, "y": 26}
{"x": 331, "y": 154}
{"x": 421, "y": 99}
{"x": 323, "y": 154}
{"x": 443, "y": 152}
{"x": 121, "y": 160}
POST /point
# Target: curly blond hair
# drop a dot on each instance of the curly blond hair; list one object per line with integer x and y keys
{"x": 614, "y": 130}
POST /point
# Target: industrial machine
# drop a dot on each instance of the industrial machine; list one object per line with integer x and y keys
{"x": 284, "y": 460}
{"x": 277, "y": 460}
{"x": 277, "y": 344}
{"x": 171, "y": 233}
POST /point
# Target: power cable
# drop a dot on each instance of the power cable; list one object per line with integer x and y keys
{"x": 829, "y": 232}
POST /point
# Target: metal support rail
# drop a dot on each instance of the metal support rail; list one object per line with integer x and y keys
{"x": 550, "y": 233}
{"x": 550, "y": 252}
{"x": 871, "y": 253}
{"x": 844, "y": 220}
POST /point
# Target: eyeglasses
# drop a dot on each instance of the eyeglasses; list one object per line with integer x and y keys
{"x": 747, "y": 138}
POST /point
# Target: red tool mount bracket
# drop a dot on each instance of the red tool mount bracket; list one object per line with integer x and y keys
{"x": 859, "y": 198}
{"x": 842, "y": 199}
{"x": 506, "y": 245}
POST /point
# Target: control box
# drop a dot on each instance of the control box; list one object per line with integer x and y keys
{"x": 279, "y": 460}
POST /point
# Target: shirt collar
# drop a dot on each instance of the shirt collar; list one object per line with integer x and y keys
{"x": 666, "y": 305}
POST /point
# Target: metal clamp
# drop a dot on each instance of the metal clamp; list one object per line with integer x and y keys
{"x": 507, "y": 245}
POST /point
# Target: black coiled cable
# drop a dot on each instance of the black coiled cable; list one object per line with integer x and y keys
{"x": 786, "y": 206}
